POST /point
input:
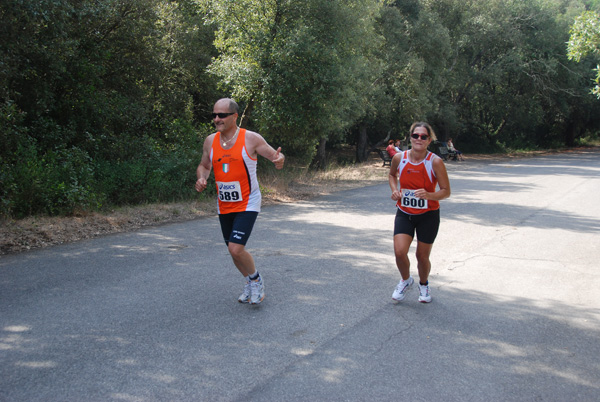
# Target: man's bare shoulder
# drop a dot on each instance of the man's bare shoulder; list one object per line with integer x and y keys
{"x": 253, "y": 140}
{"x": 209, "y": 140}
{"x": 253, "y": 135}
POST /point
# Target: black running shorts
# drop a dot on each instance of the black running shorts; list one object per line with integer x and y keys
{"x": 426, "y": 225}
{"x": 237, "y": 226}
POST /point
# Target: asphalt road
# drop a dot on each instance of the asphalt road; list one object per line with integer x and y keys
{"x": 152, "y": 315}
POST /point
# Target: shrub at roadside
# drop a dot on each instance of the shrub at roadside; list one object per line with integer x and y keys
{"x": 63, "y": 181}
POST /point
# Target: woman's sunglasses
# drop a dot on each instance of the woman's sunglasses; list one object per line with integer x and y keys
{"x": 422, "y": 136}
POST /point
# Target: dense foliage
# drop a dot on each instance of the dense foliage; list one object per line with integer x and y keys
{"x": 102, "y": 103}
{"x": 107, "y": 103}
{"x": 585, "y": 40}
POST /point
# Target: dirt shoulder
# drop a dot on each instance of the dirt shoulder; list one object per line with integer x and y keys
{"x": 36, "y": 232}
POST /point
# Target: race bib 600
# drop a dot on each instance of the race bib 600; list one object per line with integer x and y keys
{"x": 409, "y": 200}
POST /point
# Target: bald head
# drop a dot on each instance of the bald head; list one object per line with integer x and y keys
{"x": 228, "y": 103}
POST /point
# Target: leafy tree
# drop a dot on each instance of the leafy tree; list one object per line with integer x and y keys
{"x": 505, "y": 81}
{"x": 585, "y": 40}
{"x": 300, "y": 67}
{"x": 415, "y": 55}
{"x": 93, "y": 85}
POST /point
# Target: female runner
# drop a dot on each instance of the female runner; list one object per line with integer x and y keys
{"x": 414, "y": 176}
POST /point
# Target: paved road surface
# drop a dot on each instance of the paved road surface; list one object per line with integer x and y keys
{"x": 152, "y": 315}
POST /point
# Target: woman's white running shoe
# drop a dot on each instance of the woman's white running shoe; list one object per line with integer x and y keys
{"x": 401, "y": 289}
{"x": 424, "y": 296}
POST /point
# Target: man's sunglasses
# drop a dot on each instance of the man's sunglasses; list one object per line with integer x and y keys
{"x": 221, "y": 115}
{"x": 422, "y": 137}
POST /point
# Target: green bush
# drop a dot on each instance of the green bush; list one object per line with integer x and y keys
{"x": 65, "y": 180}
{"x": 163, "y": 169}
{"x": 55, "y": 182}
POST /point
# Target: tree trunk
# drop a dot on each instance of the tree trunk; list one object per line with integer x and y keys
{"x": 362, "y": 148}
{"x": 321, "y": 161}
{"x": 573, "y": 127}
{"x": 571, "y": 133}
{"x": 247, "y": 110}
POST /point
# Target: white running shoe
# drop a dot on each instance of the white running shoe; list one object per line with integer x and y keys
{"x": 257, "y": 291}
{"x": 245, "y": 296}
{"x": 401, "y": 289}
{"x": 424, "y": 296}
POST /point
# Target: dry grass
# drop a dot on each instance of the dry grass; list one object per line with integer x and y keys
{"x": 299, "y": 183}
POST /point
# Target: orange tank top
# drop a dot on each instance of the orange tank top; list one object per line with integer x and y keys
{"x": 235, "y": 176}
{"x": 413, "y": 177}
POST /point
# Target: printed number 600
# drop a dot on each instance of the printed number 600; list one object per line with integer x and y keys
{"x": 413, "y": 202}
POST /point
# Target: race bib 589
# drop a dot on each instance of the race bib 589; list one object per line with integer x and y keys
{"x": 229, "y": 191}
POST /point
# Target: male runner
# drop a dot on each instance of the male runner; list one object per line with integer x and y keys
{"x": 232, "y": 153}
